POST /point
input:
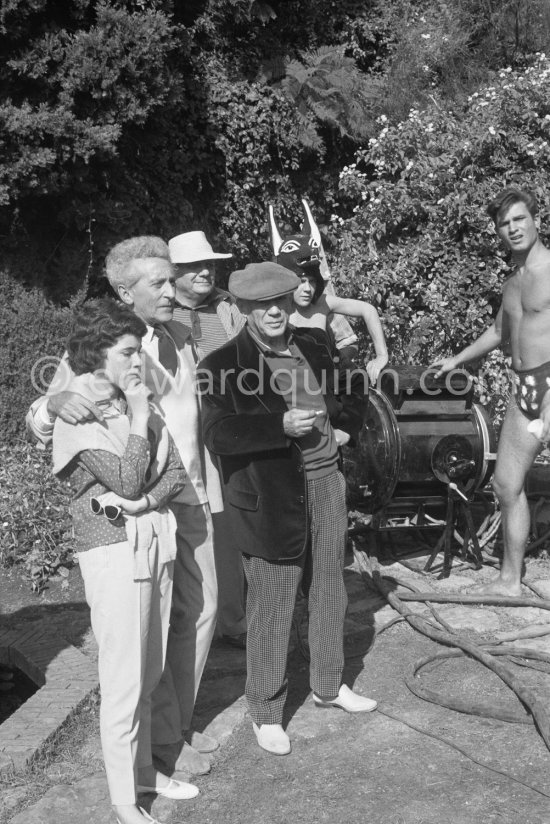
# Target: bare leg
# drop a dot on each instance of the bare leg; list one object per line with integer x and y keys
{"x": 517, "y": 449}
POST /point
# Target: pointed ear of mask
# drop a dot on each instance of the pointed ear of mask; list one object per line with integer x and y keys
{"x": 311, "y": 228}
{"x": 274, "y": 234}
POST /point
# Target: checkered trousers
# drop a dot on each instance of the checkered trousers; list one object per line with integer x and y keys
{"x": 272, "y": 589}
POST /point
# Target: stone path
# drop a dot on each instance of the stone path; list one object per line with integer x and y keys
{"x": 66, "y": 678}
{"x": 372, "y": 752}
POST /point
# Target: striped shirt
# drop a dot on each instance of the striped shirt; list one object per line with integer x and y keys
{"x": 212, "y": 323}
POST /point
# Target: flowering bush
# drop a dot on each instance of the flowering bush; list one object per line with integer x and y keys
{"x": 413, "y": 235}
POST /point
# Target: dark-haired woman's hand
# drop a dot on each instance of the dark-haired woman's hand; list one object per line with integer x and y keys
{"x": 137, "y": 396}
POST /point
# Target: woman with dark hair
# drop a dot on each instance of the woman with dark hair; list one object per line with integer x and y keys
{"x": 313, "y": 308}
{"x": 122, "y": 471}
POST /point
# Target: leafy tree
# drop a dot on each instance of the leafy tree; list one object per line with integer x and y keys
{"x": 76, "y": 76}
{"x": 125, "y": 116}
{"x": 327, "y": 88}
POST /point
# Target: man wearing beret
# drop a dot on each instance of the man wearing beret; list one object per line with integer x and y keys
{"x": 271, "y": 400}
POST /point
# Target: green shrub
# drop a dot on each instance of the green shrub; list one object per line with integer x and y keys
{"x": 32, "y": 338}
{"x": 35, "y": 528}
{"x": 79, "y": 79}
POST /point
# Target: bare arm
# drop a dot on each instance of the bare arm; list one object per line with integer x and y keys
{"x": 365, "y": 310}
{"x": 489, "y": 340}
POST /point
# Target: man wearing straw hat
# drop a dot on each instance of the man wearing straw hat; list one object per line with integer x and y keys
{"x": 213, "y": 317}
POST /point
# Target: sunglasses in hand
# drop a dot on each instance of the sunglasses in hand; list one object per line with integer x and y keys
{"x": 111, "y": 511}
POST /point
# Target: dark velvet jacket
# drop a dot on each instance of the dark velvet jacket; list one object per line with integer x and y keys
{"x": 262, "y": 471}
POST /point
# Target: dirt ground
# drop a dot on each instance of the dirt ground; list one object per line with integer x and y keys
{"x": 400, "y": 765}
{"x": 375, "y": 768}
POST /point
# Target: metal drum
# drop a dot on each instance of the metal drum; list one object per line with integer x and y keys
{"x": 420, "y": 434}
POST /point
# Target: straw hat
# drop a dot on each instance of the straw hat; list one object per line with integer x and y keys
{"x": 192, "y": 246}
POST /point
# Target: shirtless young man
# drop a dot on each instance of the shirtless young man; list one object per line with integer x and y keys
{"x": 523, "y": 320}
{"x": 313, "y": 307}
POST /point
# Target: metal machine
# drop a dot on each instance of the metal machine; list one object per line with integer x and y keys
{"x": 425, "y": 444}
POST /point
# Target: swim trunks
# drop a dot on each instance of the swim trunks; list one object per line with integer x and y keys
{"x": 530, "y": 387}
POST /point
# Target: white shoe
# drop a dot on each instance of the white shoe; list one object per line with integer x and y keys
{"x": 347, "y": 700}
{"x": 177, "y": 790}
{"x": 273, "y": 738}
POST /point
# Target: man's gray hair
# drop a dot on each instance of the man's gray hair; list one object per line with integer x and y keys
{"x": 118, "y": 263}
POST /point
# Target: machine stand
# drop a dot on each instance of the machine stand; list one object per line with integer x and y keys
{"x": 458, "y": 504}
